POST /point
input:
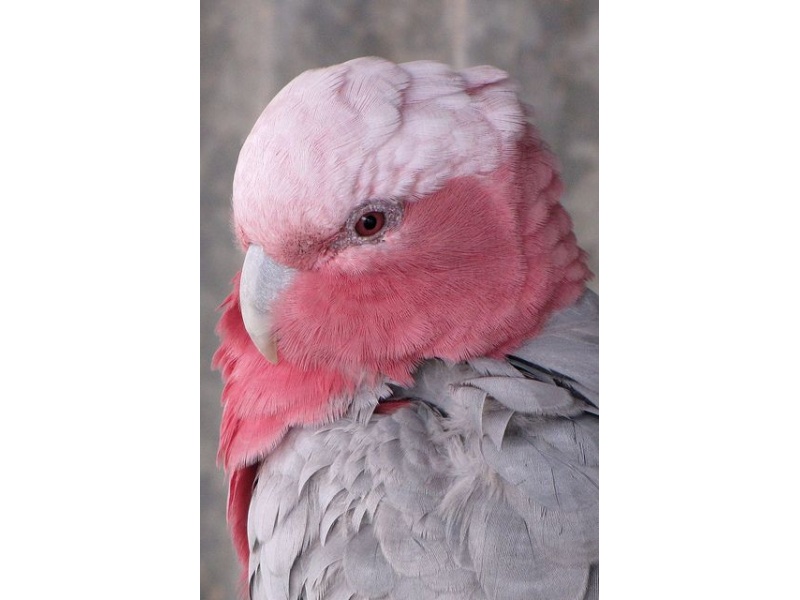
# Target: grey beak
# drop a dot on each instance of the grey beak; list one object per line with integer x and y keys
{"x": 261, "y": 283}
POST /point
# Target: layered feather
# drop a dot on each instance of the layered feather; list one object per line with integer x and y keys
{"x": 484, "y": 486}
{"x": 477, "y": 478}
{"x": 368, "y": 128}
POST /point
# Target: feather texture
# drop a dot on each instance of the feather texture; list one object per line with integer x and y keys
{"x": 484, "y": 486}
{"x": 430, "y": 427}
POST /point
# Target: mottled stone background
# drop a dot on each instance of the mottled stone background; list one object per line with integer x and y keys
{"x": 252, "y": 48}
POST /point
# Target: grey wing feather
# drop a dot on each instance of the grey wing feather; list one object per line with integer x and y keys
{"x": 365, "y": 566}
{"x": 545, "y": 454}
{"x": 567, "y": 349}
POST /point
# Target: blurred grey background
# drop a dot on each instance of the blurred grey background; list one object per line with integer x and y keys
{"x": 251, "y": 48}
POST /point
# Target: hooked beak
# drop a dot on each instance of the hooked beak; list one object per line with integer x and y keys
{"x": 261, "y": 283}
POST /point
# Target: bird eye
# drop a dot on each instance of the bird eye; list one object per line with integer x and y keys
{"x": 370, "y": 223}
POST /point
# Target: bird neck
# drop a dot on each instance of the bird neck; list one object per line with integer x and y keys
{"x": 555, "y": 268}
{"x": 261, "y": 401}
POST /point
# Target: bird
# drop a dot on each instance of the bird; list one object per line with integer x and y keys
{"x": 409, "y": 352}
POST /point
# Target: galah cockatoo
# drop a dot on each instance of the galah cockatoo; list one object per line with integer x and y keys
{"x": 410, "y": 349}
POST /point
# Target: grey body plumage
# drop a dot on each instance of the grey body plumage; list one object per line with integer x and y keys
{"x": 484, "y": 486}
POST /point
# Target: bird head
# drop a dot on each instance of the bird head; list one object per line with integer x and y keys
{"x": 389, "y": 214}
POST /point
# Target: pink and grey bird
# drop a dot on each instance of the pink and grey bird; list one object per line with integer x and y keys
{"x": 410, "y": 407}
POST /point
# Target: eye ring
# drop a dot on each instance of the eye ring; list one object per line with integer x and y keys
{"x": 370, "y": 223}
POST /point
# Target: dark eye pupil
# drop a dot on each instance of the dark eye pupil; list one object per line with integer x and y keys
{"x": 370, "y": 223}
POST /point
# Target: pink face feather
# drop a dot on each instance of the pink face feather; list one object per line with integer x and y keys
{"x": 476, "y": 252}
